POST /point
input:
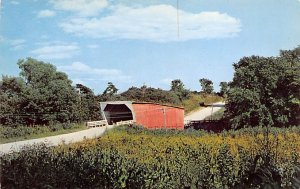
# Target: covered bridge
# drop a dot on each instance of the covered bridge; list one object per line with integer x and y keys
{"x": 150, "y": 115}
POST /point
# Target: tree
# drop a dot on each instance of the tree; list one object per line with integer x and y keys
{"x": 265, "y": 91}
{"x": 47, "y": 96}
{"x": 110, "y": 90}
{"x": 206, "y": 85}
{"x": 110, "y": 93}
{"x": 135, "y": 94}
{"x": 89, "y": 108}
{"x": 178, "y": 88}
{"x": 224, "y": 88}
{"x": 149, "y": 94}
{"x": 11, "y": 89}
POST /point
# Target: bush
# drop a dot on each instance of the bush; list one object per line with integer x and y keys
{"x": 137, "y": 158}
{"x": 21, "y": 131}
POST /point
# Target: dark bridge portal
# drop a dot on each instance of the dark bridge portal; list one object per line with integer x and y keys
{"x": 117, "y": 112}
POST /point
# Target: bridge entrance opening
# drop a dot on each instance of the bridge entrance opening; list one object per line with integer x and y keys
{"x": 117, "y": 112}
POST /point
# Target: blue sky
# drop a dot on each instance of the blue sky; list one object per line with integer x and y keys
{"x": 136, "y": 42}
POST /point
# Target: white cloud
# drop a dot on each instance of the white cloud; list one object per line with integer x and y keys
{"x": 56, "y": 51}
{"x": 86, "y": 73}
{"x": 82, "y": 7}
{"x": 17, "y": 44}
{"x": 46, "y": 13}
{"x": 154, "y": 23}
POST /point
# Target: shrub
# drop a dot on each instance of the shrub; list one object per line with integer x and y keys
{"x": 136, "y": 158}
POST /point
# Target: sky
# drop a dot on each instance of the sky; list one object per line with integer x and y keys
{"x": 151, "y": 42}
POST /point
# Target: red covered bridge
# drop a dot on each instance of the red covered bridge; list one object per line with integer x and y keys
{"x": 150, "y": 115}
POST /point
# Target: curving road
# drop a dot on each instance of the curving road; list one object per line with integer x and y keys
{"x": 56, "y": 140}
{"x": 203, "y": 113}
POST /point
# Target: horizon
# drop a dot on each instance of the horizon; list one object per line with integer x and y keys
{"x": 132, "y": 43}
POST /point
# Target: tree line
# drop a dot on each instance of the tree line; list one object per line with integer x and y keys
{"x": 41, "y": 95}
{"x": 264, "y": 91}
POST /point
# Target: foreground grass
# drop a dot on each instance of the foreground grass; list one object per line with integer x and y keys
{"x": 137, "y": 158}
{"x": 9, "y": 134}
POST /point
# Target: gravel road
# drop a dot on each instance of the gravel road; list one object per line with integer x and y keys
{"x": 56, "y": 140}
{"x": 203, "y": 113}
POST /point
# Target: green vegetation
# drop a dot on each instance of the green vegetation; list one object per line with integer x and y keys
{"x": 42, "y": 96}
{"x": 192, "y": 103}
{"x": 110, "y": 93}
{"x": 206, "y": 85}
{"x": 12, "y": 134}
{"x": 178, "y": 95}
{"x": 149, "y": 94}
{"x": 224, "y": 87}
{"x": 217, "y": 115}
{"x": 88, "y": 105}
{"x": 178, "y": 88}
{"x": 136, "y": 158}
{"x": 265, "y": 91}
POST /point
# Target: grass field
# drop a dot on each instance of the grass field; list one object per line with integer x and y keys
{"x": 132, "y": 157}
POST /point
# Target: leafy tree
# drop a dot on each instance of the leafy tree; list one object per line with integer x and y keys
{"x": 134, "y": 94}
{"x": 149, "y": 94}
{"x": 11, "y": 89}
{"x": 89, "y": 108}
{"x": 111, "y": 89}
{"x": 206, "y": 85}
{"x": 42, "y": 95}
{"x": 224, "y": 88}
{"x": 178, "y": 88}
{"x": 161, "y": 96}
{"x": 265, "y": 91}
{"x": 110, "y": 93}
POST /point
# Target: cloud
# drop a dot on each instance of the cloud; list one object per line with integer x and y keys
{"x": 82, "y": 7}
{"x": 17, "y": 44}
{"x": 56, "y": 51}
{"x": 86, "y": 73}
{"x": 46, "y": 13}
{"x": 154, "y": 23}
